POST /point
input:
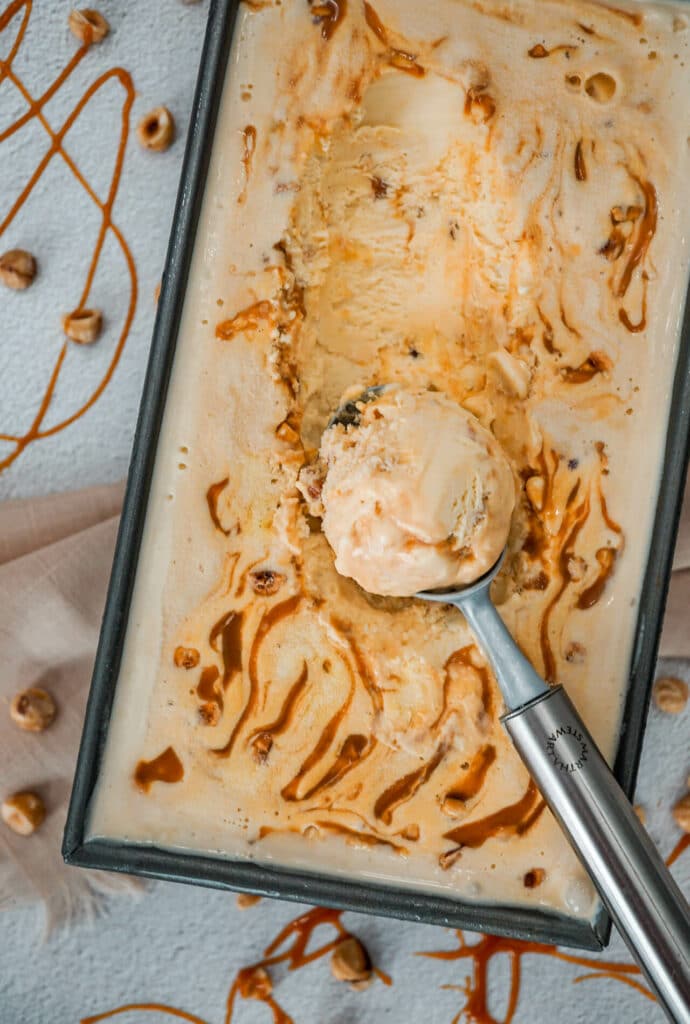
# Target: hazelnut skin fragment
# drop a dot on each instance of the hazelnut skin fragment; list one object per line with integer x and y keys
{"x": 33, "y": 710}
{"x": 23, "y": 812}
{"x": 156, "y": 130}
{"x": 17, "y": 269}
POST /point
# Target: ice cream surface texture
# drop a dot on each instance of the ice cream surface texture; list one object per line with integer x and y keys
{"x": 482, "y": 197}
{"x": 418, "y": 495}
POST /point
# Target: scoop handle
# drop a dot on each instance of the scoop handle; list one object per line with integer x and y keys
{"x": 647, "y": 906}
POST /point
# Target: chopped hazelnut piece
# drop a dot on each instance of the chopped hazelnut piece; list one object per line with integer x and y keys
{"x": 33, "y": 709}
{"x": 350, "y": 961}
{"x": 534, "y": 878}
{"x": 535, "y": 488}
{"x": 186, "y": 657}
{"x": 512, "y": 373}
{"x": 89, "y": 26}
{"x": 83, "y": 325}
{"x": 156, "y": 130}
{"x": 17, "y": 269}
{"x": 247, "y": 899}
{"x": 23, "y": 812}
{"x": 255, "y": 983}
{"x": 681, "y": 812}
{"x": 670, "y": 695}
{"x": 266, "y": 582}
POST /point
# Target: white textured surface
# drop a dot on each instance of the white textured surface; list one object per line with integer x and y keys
{"x": 181, "y": 945}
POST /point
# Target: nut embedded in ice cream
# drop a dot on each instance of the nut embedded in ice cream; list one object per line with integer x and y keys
{"x": 417, "y": 496}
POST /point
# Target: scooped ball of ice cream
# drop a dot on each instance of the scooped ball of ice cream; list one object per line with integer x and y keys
{"x": 417, "y": 496}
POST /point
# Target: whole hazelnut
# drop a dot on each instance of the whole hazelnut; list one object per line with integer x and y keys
{"x": 670, "y": 695}
{"x": 156, "y": 130}
{"x": 350, "y": 961}
{"x": 33, "y": 709}
{"x": 17, "y": 269}
{"x": 23, "y": 812}
{"x": 246, "y": 900}
{"x": 88, "y": 26}
{"x": 83, "y": 325}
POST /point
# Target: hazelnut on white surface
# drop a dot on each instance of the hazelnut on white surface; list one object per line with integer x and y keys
{"x": 17, "y": 269}
{"x": 88, "y": 25}
{"x": 83, "y": 325}
{"x": 350, "y": 961}
{"x": 23, "y": 812}
{"x": 670, "y": 695}
{"x": 33, "y": 709}
{"x": 156, "y": 130}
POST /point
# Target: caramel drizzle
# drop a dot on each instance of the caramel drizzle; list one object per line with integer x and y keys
{"x": 637, "y": 247}
{"x": 481, "y": 954}
{"x": 248, "y": 150}
{"x": 268, "y": 621}
{"x": 572, "y": 524}
{"x": 463, "y": 656}
{"x": 539, "y": 51}
{"x": 596, "y": 362}
{"x": 473, "y": 780}
{"x": 212, "y": 495}
{"x": 514, "y": 819}
{"x": 35, "y": 111}
{"x": 580, "y": 165}
{"x": 210, "y": 694}
{"x": 329, "y": 14}
{"x": 262, "y": 738}
{"x": 404, "y": 789}
{"x": 547, "y": 336}
{"x": 229, "y": 630}
{"x": 355, "y": 836}
{"x": 246, "y": 320}
{"x": 400, "y": 59}
{"x": 167, "y": 767}
{"x": 606, "y": 557}
{"x": 680, "y": 846}
{"x": 375, "y": 24}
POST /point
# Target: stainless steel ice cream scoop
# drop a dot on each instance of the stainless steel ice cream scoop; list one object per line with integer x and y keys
{"x": 647, "y": 906}
{"x": 579, "y": 787}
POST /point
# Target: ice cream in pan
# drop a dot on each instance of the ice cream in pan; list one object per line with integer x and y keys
{"x": 481, "y": 198}
{"x": 385, "y": 493}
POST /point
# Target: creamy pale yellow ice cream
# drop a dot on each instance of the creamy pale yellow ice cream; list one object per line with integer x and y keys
{"x": 481, "y": 196}
{"x": 415, "y": 495}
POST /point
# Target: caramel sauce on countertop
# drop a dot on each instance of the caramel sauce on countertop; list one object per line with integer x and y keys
{"x": 296, "y": 937}
{"x": 35, "y": 113}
